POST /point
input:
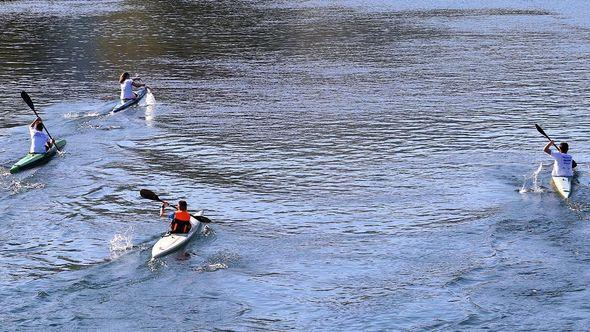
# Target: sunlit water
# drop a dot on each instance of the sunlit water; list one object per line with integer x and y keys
{"x": 367, "y": 165}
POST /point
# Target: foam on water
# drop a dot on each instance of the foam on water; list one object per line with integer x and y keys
{"x": 78, "y": 115}
{"x": 353, "y": 156}
{"x": 220, "y": 260}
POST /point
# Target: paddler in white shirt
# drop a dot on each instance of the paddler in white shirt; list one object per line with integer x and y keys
{"x": 127, "y": 85}
{"x": 564, "y": 163}
{"x": 40, "y": 142}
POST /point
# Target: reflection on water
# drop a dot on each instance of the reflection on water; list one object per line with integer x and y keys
{"x": 357, "y": 158}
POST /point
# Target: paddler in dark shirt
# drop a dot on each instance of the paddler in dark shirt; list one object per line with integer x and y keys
{"x": 181, "y": 219}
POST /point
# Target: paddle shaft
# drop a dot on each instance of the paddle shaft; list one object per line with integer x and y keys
{"x": 148, "y": 194}
{"x": 540, "y": 130}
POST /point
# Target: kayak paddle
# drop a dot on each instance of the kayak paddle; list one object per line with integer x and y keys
{"x": 148, "y": 194}
{"x": 25, "y": 96}
{"x": 540, "y": 130}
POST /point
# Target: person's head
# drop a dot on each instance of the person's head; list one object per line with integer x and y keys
{"x": 123, "y": 77}
{"x": 182, "y": 205}
{"x": 39, "y": 126}
{"x": 563, "y": 147}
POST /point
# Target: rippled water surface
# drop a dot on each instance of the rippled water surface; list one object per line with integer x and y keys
{"x": 367, "y": 165}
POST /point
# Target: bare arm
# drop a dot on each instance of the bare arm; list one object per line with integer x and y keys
{"x": 138, "y": 85}
{"x": 34, "y": 123}
{"x": 163, "y": 208}
{"x": 547, "y": 148}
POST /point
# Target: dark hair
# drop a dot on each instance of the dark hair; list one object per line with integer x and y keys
{"x": 123, "y": 77}
{"x": 563, "y": 147}
{"x": 182, "y": 205}
{"x": 39, "y": 126}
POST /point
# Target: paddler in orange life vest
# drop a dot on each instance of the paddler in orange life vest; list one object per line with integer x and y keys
{"x": 181, "y": 219}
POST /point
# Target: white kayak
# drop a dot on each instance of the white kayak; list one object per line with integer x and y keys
{"x": 171, "y": 242}
{"x": 563, "y": 184}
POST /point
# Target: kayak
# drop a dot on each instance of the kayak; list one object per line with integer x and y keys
{"x": 171, "y": 242}
{"x": 563, "y": 184}
{"x": 126, "y": 104}
{"x": 36, "y": 159}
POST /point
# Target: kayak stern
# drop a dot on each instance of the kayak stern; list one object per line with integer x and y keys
{"x": 563, "y": 184}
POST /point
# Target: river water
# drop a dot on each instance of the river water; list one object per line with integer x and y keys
{"x": 367, "y": 165}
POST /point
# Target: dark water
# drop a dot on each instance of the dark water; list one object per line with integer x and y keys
{"x": 367, "y": 165}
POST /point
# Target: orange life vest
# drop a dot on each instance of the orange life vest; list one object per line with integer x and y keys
{"x": 182, "y": 216}
{"x": 181, "y": 222}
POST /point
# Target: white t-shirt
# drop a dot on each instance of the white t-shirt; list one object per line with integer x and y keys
{"x": 38, "y": 140}
{"x": 562, "y": 165}
{"x": 127, "y": 89}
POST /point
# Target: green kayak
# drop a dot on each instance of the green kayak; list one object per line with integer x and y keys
{"x": 36, "y": 159}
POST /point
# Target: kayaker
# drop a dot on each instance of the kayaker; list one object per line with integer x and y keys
{"x": 564, "y": 163}
{"x": 40, "y": 141}
{"x": 181, "y": 219}
{"x": 127, "y": 85}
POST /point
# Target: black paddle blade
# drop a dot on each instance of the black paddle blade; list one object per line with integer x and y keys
{"x": 539, "y": 129}
{"x": 202, "y": 219}
{"x": 149, "y": 195}
{"x": 25, "y": 96}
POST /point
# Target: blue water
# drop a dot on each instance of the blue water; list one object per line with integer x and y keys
{"x": 367, "y": 165}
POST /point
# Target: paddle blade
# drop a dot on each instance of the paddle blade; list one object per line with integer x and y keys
{"x": 539, "y": 129}
{"x": 202, "y": 219}
{"x": 149, "y": 195}
{"x": 25, "y": 96}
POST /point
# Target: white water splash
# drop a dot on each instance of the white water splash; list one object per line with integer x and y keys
{"x": 120, "y": 243}
{"x": 150, "y": 103}
{"x": 150, "y": 99}
{"x": 535, "y": 187}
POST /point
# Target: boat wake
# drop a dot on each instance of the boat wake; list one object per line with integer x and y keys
{"x": 16, "y": 186}
{"x": 531, "y": 182}
{"x": 211, "y": 267}
{"x": 219, "y": 261}
{"x": 80, "y": 115}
